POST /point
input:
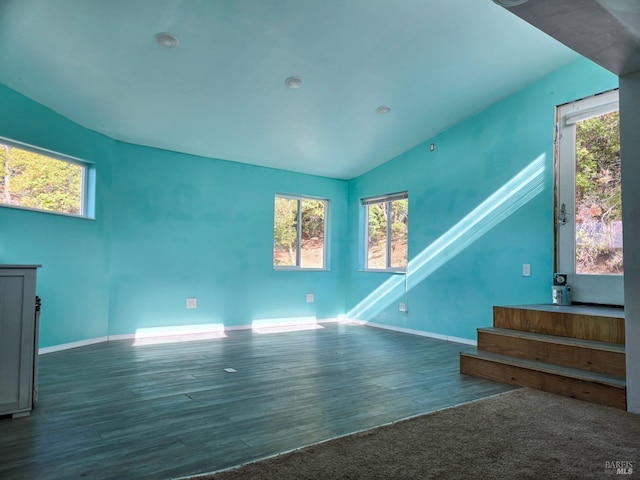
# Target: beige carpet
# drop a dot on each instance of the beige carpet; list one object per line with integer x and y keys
{"x": 523, "y": 434}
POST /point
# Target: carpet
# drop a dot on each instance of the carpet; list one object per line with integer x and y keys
{"x": 522, "y": 434}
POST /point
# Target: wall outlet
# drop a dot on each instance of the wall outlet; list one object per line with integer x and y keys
{"x": 192, "y": 302}
{"x": 309, "y": 297}
{"x": 526, "y": 270}
{"x": 403, "y": 307}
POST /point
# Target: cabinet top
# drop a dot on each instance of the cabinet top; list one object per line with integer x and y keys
{"x": 19, "y": 266}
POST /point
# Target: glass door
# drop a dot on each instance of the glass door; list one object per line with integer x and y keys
{"x": 589, "y": 206}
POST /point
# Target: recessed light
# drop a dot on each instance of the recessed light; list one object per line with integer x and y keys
{"x": 509, "y": 3}
{"x": 294, "y": 82}
{"x": 167, "y": 40}
{"x": 383, "y": 109}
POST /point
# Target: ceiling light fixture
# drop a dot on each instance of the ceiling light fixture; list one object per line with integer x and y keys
{"x": 383, "y": 109}
{"x": 167, "y": 40}
{"x": 294, "y": 82}
{"x": 509, "y": 3}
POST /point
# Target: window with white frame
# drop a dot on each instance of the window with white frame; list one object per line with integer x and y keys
{"x": 38, "y": 179}
{"x": 299, "y": 230}
{"x": 386, "y": 232}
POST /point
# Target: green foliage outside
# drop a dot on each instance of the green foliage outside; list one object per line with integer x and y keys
{"x": 377, "y": 223}
{"x": 285, "y": 230}
{"x": 598, "y": 193}
{"x": 598, "y": 166}
{"x": 32, "y": 180}
{"x": 313, "y": 212}
{"x": 377, "y": 232}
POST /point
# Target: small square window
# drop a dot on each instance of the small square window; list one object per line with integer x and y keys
{"x": 299, "y": 232}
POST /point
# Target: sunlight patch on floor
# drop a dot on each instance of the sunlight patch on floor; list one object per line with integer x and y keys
{"x": 178, "y": 333}
{"x": 283, "y": 325}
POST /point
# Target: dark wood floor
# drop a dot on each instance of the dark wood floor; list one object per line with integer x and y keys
{"x": 114, "y": 410}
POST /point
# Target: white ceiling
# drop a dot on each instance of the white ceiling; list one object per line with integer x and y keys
{"x": 221, "y": 92}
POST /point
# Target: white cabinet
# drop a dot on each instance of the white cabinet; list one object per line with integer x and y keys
{"x": 18, "y": 339}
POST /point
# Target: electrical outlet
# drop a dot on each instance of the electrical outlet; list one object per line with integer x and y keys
{"x": 309, "y": 297}
{"x": 526, "y": 270}
{"x": 192, "y": 302}
{"x": 403, "y": 307}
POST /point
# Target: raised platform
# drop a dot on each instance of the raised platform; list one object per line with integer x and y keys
{"x": 576, "y": 351}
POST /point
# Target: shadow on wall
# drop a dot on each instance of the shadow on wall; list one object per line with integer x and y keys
{"x": 514, "y": 194}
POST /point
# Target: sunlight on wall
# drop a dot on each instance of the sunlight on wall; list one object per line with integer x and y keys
{"x": 178, "y": 333}
{"x": 280, "y": 325}
{"x": 518, "y": 191}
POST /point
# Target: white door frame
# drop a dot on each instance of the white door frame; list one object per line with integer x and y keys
{"x": 602, "y": 289}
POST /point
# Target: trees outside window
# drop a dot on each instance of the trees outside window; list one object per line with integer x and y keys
{"x": 299, "y": 232}
{"x": 386, "y": 232}
{"x": 598, "y": 196}
{"x": 35, "y": 180}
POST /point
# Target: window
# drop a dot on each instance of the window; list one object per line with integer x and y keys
{"x": 299, "y": 232}
{"x": 33, "y": 178}
{"x": 386, "y": 232}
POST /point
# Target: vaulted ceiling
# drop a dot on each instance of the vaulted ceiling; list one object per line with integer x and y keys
{"x": 221, "y": 91}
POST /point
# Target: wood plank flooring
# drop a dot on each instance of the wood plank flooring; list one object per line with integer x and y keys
{"x": 119, "y": 411}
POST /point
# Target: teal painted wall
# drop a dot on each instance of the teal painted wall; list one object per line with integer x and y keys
{"x": 183, "y": 226}
{"x": 170, "y": 226}
{"x": 189, "y": 226}
{"x": 74, "y": 252}
{"x": 471, "y": 161}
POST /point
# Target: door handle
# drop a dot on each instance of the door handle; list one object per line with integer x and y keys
{"x": 562, "y": 215}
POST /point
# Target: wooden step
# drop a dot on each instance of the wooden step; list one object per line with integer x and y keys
{"x": 588, "y": 323}
{"x": 590, "y": 355}
{"x": 581, "y": 384}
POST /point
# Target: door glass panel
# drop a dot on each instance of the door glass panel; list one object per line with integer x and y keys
{"x": 589, "y": 220}
{"x": 598, "y": 209}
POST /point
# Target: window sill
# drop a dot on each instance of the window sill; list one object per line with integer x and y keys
{"x": 49, "y": 212}
{"x": 298, "y": 269}
{"x": 381, "y": 270}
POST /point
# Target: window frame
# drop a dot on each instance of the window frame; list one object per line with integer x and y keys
{"x": 298, "y": 267}
{"x": 387, "y": 199}
{"x": 87, "y": 195}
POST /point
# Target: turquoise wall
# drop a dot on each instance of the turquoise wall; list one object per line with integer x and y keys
{"x": 74, "y": 252}
{"x": 170, "y": 226}
{"x": 484, "y": 258}
{"x": 167, "y": 227}
{"x": 189, "y": 226}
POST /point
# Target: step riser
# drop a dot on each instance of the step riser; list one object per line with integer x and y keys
{"x": 601, "y": 361}
{"x": 571, "y": 387}
{"x": 586, "y": 327}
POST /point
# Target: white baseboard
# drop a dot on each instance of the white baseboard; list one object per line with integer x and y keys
{"x": 134, "y": 336}
{"x": 411, "y": 331}
{"x": 126, "y": 336}
{"x": 67, "y": 346}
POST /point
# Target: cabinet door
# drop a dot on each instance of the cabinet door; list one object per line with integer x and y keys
{"x": 17, "y": 331}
